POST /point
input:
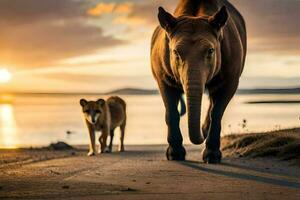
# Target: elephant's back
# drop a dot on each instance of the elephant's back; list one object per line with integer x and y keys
{"x": 156, "y": 34}
{"x": 238, "y": 22}
{"x": 157, "y": 51}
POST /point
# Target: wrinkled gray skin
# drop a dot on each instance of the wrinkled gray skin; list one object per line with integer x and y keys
{"x": 202, "y": 46}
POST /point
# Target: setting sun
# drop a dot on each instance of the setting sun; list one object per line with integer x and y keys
{"x": 5, "y": 75}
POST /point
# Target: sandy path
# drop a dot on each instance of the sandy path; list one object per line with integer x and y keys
{"x": 143, "y": 173}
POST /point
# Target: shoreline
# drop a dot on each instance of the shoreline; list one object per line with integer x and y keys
{"x": 232, "y": 145}
{"x": 274, "y": 102}
{"x": 84, "y": 146}
{"x": 142, "y": 172}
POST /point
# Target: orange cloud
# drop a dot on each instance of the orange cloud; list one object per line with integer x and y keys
{"x": 123, "y": 13}
{"x": 123, "y": 8}
{"x": 107, "y": 8}
{"x": 132, "y": 21}
{"x": 101, "y": 9}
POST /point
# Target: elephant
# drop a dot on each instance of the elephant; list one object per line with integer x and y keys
{"x": 201, "y": 47}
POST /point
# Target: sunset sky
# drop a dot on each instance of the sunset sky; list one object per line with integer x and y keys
{"x": 97, "y": 45}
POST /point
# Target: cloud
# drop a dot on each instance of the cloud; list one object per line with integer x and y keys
{"x": 38, "y": 34}
{"x": 271, "y": 25}
{"x": 122, "y": 13}
{"x": 46, "y": 44}
{"x": 130, "y": 21}
{"x": 16, "y": 12}
{"x": 109, "y": 8}
{"x": 45, "y": 34}
{"x": 270, "y": 17}
{"x": 131, "y": 13}
{"x": 124, "y": 8}
{"x": 101, "y": 9}
{"x": 141, "y": 14}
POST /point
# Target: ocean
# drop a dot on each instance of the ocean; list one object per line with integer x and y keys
{"x": 38, "y": 120}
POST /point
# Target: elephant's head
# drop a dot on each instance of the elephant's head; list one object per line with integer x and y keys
{"x": 195, "y": 56}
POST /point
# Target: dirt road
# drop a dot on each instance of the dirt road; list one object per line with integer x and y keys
{"x": 143, "y": 173}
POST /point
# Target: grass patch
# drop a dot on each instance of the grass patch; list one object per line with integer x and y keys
{"x": 283, "y": 144}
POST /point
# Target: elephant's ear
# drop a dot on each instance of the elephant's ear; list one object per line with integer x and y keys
{"x": 166, "y": 20}
{"x": 219, "y": 19}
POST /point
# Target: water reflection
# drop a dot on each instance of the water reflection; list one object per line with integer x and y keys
{"x": 33, "y": 120}
{"x": 8, "y": 128}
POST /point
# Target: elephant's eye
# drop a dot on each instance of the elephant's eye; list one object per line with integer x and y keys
{"x": 210, "y": 52}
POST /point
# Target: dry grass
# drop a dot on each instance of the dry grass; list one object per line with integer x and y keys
{"x": 283, "y": 144}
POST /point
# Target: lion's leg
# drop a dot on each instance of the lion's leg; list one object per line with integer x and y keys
{"x": 102, "y": 140}
{"x": 111, "y": 139}
{"x": 92, "y": 147}
{"x": 171, "y": 97}
{"x": 122, "y": 128}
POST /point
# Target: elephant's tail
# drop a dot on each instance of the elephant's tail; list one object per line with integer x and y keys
{"x": 182, "y": 106}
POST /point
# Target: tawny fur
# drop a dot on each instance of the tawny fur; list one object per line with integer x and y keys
{"x": 104, "y": 116}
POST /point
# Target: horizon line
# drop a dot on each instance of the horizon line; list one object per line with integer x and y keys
{"x": 143, "y": 91}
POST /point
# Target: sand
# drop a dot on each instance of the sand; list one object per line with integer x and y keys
{"x": 142, "y": 172}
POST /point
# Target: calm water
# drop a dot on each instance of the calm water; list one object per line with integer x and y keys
{"x": 38, "y": 120}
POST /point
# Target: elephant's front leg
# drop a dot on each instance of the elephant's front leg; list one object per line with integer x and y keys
{"x": 219, "y": 102}
{"x": 171, "y": 99}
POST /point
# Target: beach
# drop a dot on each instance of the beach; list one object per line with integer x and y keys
{"x": 142, "y": 172}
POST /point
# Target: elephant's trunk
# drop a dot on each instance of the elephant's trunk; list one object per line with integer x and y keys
{"x": 194, "y": 92}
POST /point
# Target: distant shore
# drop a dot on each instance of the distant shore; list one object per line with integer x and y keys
{"x": 274, "y": 102}
{"x": 140, "y": 91}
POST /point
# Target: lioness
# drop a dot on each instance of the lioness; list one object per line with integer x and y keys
{"x": 104, "y": 116}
